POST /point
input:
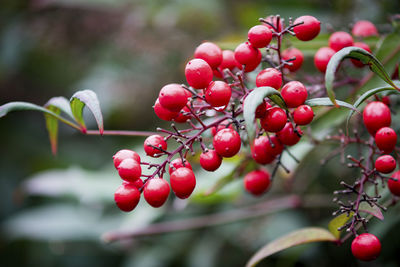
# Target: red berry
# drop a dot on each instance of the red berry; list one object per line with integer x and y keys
{"x": 125, "y": 154}
{"x": 138, "y": 183}
{"x": 322, "y": 57}
{"x": 177, "y": 163}
{"x": 246, "y": 54}
{"x": 263, "y": 152}
{"x": 385, "y": 164}
{"x": 229, "y": 61}
{"x": 294, "y": 93}
{"x": 364, "y": 46}
{"x": 152, "y": 143}
{"x": 259, "y": 36}
{"x": 127, "y": 197}
{"x": 218, "y": 94}
{"x": 227, "y": 142}
{"x": 257, "y": 182}
{"x": 339, "y": 40}
{"x": 274, "y": 120}
{"x": 252, "y": 66}
{"x": 376, "y": 115}
{"x": 209, "y": 52}
{"x": 386, "y": 100}
{"x": 164, "y": 113}
{"x": 198, "y": 73}
{"x": 269, "y": 77}
{"x": 394, "y": 186}
{"x": 183, "y": 182}
{"x": 222, "y": 125}
{"x": 273, "y": 20}
{"x": 261, "y": 110}
{"x": 173, "y": 97}
{"x": 386, "y": 139}
{"x": 293, "y": 53}
{"x": 183, "y": 116}
{"x": 308, "y": 30}
{"x": 288, "y": 136}
{"x": 156, "y": 192}
{"x": 364, "y": 28}
{"x": 366, "y": 247}
{"x": 129, "y": 170}
{"x": 303, "y": 115}
{"x": 210, "y": 160}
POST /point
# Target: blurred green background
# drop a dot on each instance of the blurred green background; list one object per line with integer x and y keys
{"x": 54, "y": 209}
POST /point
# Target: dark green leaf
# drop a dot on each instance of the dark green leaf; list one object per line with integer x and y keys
{"x": 337, "y": 222}
{"x": 325, "y": 101}
{"x": 299, "y": 237}
{"x": 253, "y": 100}
{"x": 86, "y": 98}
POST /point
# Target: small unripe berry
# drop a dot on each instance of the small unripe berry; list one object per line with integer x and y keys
{"x": 264, "y": 149}
{"x": 156, "y": 192}
{"x": 376, "y": 115}
{"x": 173, "y": 97}
{"x": 127, "y": 197}
{"x": 274, "y": 120}
{"x": 209, "y": 52}
{"x": 288, "y": 136}
{"x": 269, "y": 77}
{"x": 246, "y": 54}
{"x": 129, "y": 170}
{"x": 386, "y": 139}
{"x": 164, "y": 113}
{"x": 394, "y": 186}
{"x": 218, "y": 94}
{"x": 308, "y": 30}
{"x": 303, "y": 115}
{"x": 210, "y": 160}
{"x": 259, "y": 36}
{"x": 339, "y": 40}
{"x": 125, "y": 154}
{"x": 198, "y": 73}
{"x": 294, "y": 93}
{"x": 291, "y": 53}
{"x": 183, "y": 182}
{"x": 257, "y": 182}
{"x": 153, "y": 143}
{"x": 364, "y": 46}
{"x": 366, "y": 247}
{"x": 177, "y": 163}
{"x": 322, "y": 57}
{"x": 385, "y": 164}
{"x": 364, "y": 28}
{"x": 227, "y": 142}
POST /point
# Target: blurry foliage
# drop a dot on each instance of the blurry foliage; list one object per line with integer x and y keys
{"x": 53, "y": 214}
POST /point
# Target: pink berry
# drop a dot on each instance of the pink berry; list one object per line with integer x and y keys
{"x": 339, "y": 40}
{"x": 322, "y": 57}
{"x": 308, "y": 30}
{"x": 129, "y": 170}
{"x": 364, "y": 28}
{"x": 125, "y": 154}
{"x": 209, "y": 52}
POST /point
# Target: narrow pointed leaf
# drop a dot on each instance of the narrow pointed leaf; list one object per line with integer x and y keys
{"x": 60, "y": 103}
{"x": 325, "y": 101}
{"x": 355, "y": 53}
{"x": 299, "y": 237}
{"x": 374, "y": 210}
{"x": 52, "y": 128}
{"x": 253, "y": 100}
{"x": 337, "y": 222}
{"x": 86, "y": 98}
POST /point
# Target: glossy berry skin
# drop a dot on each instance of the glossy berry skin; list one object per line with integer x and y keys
{"x": 366, "y": 247}
{"x": 129, "y": 170}
{"x": 308, "y": 30}
{"x": 253, "y": 65}
{"x": 257, "y": 182}
{"x": 222, "y": 125}
{"x": 298, "y": 58}
{"x": 262, "y": 150}
{"x": 125, "y": 154}
{"x": 376, "y": 115}
{"x": 218, "y": 94}
{"x": 339, "y": 40}
{"x": 138, "y": 183}
{"x": 156, "y": 141}
{"x": 229, "y": 61}
{"x": 394, "y": 186}
{"x": 209, "y": 52}
{"x": 269, "y": 77}
{"x": 288, "y": 136}
{"x": 246, "y": 54}
{"x": 364, "y": 46}
{"x": 303, "y": 115}
{"x": 183, "y": 182}
{"x": 259, "y": 36}
{"x": 210, "y": 160}
{"x": 164, "y": 113}
{"x": 274, "y": 120}
{"x": 198, "y": 73}
{"x": 322, "y": 57}
{"x": 261, "y": 110}
{"x": 294, "y": 93}
{"x": 177, "y": 163}
{"x": 227, "y": 142}
{"x": 156, "y": 192}
{"x": 183, "y": 115}
{"x": 386, "y": 139}
{"x": 127, "y": 197}
{"x": 385, "y": 164}
{"x": 172, "y": 97}
{"x": 364, "y": 28}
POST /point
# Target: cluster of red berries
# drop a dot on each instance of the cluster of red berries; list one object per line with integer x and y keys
{"x": 339, "y": 40}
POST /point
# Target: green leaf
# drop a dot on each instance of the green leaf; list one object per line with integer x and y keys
{"x": 86, "y": 98}
{"x": 299, "y": 237}
{"x": 338, "y": 222}
{"x": 374, "y": 210}
{"x": 253, "y": 100}
{"x": 325, "y": 101}
{"x": 52, "y": 128}
{"x": 355, "y": 53}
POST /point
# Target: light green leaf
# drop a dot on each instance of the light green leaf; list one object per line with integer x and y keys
{"x": 52, "y": 128}
{"x": 338, "y": 222}
{"x": 325, "y": 101}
